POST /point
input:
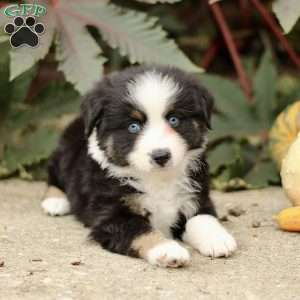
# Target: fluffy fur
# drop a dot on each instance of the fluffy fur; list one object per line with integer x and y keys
{"x": 133, "y": 167}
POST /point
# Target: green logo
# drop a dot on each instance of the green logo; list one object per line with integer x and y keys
{"x": 15, "y": 10}
{"x": 24, "y": 29}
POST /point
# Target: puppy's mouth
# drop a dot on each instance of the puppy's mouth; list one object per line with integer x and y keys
{"x": 159, "y": 167}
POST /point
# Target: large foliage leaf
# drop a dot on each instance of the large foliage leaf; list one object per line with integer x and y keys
{"x": 287, "y": 12}
{"x": 4, "y": 83}
{"x": 236, "y": 165}
{"x": 228, "y": 96}
{"x": 78, "y": 54}
{"x": 222, "y": 155}
{"x": 19, "y": 87}
{"x": 30, "y": 133}
{"x": 133, "y": 33}
{"x": 235, "y": 115}
{"x": 15, "y": 91}
{"x": 265, "y": 89}
{"x": 35, "y": 147}
{"x": 3, "y": 39}
{"x": 262, "y": 174}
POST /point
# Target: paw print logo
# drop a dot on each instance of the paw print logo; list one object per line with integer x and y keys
{"x": 24, "y": 32}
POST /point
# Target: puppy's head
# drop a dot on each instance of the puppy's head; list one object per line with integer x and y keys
{"x": 147, "y": 118}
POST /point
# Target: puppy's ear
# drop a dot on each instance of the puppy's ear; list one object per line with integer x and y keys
{"x": 92, "y": 109}
{"x": 205, "y": 103}
{"x": 208, "y": 101}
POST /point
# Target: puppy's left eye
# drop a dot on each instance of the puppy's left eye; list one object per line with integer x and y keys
{"x": 134, "y": 127}
{"x": 174, "y": 121}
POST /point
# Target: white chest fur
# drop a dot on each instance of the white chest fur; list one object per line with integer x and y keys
{"x": 164, "y": 198}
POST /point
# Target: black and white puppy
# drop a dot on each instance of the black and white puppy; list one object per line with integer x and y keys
{"x": 132, "y": 167}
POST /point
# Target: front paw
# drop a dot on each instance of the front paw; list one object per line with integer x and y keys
{"x": 221, "y": 245}
{"x": 209, "y": 237}
{"x": 168, "y": 254}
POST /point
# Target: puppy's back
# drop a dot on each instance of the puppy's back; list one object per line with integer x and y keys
{"x": 70, "y": 144}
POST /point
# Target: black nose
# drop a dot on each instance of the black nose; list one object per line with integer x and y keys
{"x": 161, "y": 156}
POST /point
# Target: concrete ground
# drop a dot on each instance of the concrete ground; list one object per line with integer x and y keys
{"x": 45, "y": 258}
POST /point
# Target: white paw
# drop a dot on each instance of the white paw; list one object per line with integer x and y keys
{"x": 168, "y": 254}
{"x": 56, "y": 206}
{"x": 209, "y": 237}
{"x": 221, "y": 245}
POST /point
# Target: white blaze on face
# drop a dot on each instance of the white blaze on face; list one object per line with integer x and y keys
{"x": 153, "y": 93}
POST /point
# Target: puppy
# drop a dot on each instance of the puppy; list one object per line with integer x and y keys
{"x": 132, "y": 167}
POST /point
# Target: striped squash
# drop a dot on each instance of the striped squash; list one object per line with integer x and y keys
{"x": 284, "y": 132}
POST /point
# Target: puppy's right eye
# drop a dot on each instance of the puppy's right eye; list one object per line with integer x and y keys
{"x": 134, "y": 127}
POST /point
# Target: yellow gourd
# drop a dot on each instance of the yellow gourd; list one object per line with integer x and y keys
{"x": 284, "y": 132}
{"x": 290, "y": 172}
{"x": 289, "y": 219}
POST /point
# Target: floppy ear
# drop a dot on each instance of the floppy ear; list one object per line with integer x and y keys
{"x": 92, "y": 109}
{"x": 205, "y": 103}
{"x": 208, "y": 104}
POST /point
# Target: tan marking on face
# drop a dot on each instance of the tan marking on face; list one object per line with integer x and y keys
{"x": 143, "y": 243}
{"x": 54, "y": 192}
{"x": 137, "y": 115}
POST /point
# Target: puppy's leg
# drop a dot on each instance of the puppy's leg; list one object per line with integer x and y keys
{"x": 131, "y": 234}
{"x": 55, "y": 202}
{"x": 158, "y": 250}
{"x": 206, "y": 234}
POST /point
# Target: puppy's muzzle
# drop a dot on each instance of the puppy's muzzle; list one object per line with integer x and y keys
{"x": 160, "y": 156}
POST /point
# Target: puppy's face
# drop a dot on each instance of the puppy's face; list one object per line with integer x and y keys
{"x": 149, "y": 119}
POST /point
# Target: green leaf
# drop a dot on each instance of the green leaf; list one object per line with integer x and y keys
{"x": 4, "y": 83}
{"x": 222, "y": 155}
{"x": 223, "y": 126}
{"x": 262, "y": 174}
{"x": 265, "y": 89}
{"x": 4, "y": 39}
{"x": 134, "y": 33}
{"x": 235, "y": 116}
{"x": 229, "y": 98}
{"x": 36, "y": 147}
{"x": 287, "y": 12}
{"x": 78, "y": 54}
{"x": 24, "y": 131}
{"x": 19, "y": 87}
{"x": 51, "y": 103}
{"x": 55, "y": 100}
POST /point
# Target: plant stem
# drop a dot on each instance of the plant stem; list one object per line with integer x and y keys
{"x": 210, "y": 54}
{"x": 270, "y": 21}
{"x": 244, "y": 81}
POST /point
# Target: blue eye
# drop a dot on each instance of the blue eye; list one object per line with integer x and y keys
{"x": 134, "y": 128}
{"x": 173, "y": 121}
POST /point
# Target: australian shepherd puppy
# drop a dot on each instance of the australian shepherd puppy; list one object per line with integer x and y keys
{"x": 132, "y": 167}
